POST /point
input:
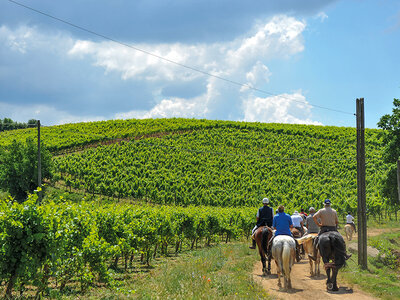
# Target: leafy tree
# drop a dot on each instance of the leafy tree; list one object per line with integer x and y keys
{"x": 18, "y": 174}
{"x": 391, "y": 138}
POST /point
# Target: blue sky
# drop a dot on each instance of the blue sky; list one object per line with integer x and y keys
{"x": 304, "y": 54}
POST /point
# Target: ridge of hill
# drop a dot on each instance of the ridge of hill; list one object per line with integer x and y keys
{"x": 217, "y": 163}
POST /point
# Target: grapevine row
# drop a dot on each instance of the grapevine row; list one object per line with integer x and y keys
{"x": 68, "y": 242}
{"x": 226, "y": 167}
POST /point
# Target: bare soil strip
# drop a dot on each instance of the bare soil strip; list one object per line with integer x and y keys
{"x": 304, "y": 286}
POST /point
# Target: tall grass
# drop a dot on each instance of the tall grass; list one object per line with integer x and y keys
{"x": 382, "y": 278}
{"x": 222, "y": 272}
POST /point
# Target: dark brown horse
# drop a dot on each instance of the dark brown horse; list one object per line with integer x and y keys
{"x": 332, "y": 247}
{"x": 262, "y": 236}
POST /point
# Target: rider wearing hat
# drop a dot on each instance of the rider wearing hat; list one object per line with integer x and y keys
{"x": 326, "y": 218}
{"x": 265, "y": 215}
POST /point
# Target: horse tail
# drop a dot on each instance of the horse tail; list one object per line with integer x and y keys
{"x": 339, "y": 247}
{"x": 265, "y": 238}
{"x": 287, "y": 259}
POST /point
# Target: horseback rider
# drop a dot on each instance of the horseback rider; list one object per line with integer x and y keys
{"x": 312, "y": 227}
{"x": 350, "y": 220}
{"x": 326, "y": 218}
{"x": 264, "y": 216}
{"x": 303, "y": 214}
{"x": 282, "y": 222}
{"x": 298, "y": 222}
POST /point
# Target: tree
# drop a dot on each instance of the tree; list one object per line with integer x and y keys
{"x": 391, "y": 138}
{"x": 18, "y": 174}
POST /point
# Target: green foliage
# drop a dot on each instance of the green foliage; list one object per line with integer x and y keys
{"x": 78, "y": 242}
{"x": 391, "y": 138}
{"x": 18, "y": 174}
{"x": 25, "y": 243}
{"x": 8, "y": 124}
{"x": 231, "y": 165}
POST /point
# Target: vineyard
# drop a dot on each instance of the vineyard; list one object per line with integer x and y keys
{"x": 192, "y": 182}
{"x": 65, "y": 242}
{"x": 229, "y": 166}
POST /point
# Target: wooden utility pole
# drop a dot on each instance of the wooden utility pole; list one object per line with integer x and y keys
{"x": 39, "y": 165}
{"x": 361, "y": 194}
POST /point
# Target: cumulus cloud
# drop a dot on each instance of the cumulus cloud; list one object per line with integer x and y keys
{"x": 284, "y": 108}
{"x": 167, "y": 108}
{"x": 241, "y": 60}
{"x": 88, "y": 80}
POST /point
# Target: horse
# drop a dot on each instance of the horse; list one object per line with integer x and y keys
{"x": 262, "y": 236}
{"x": 295, "y": 232}
{"x": 307, "y": 243}
{"x": 348, "y": 230}
{"x": 284, "y": 253}
{"x": 332, "y": 247}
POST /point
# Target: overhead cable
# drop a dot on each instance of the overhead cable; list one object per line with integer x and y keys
{"x": 176, "y": 63}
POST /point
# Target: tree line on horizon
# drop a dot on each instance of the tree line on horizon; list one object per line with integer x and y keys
{"x": 8, "y": 124}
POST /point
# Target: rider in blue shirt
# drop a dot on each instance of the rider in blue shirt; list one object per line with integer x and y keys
{"x": 282, "y": 223}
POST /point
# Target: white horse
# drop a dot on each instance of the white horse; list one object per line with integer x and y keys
{"x": 307, "y": 241}
{"x": 348, "y": 230}
{"x": 284, "y": 253}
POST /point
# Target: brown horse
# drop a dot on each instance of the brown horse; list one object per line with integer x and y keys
{"x": 295, "y": 233}
{"x": 307, "y": 242}
{"x": 262, "y": 236}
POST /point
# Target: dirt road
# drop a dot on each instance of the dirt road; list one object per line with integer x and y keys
{"x": 304, "y": 286}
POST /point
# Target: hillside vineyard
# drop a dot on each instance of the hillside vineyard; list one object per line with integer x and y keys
{"x": 208, "y": 177}
{"x": 219, "y": 163}
{"x": 228, "y": 166}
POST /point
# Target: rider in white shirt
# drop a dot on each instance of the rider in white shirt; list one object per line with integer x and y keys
{"x": 350, "y": 220}
{"x": 298, "y": 222}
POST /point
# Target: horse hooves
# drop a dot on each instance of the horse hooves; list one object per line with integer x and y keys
{"x": 329, "y": 286}
{"x": 335, "y": 288}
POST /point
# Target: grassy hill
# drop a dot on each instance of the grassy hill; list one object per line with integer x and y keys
{"x": 218, "y": 163}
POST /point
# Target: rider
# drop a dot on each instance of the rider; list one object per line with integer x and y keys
{"x": 303, "y": 214}
{"x": 350, "y": 220}
{"x": 298, "y": 222}
{"x": 328, "y": 221}
{"x": 282, "y": 222}
{"x": 312, "y": 227}
{"x": 264, "y": 216}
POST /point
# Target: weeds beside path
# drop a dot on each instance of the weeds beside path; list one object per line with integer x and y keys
{"x": 220, "y": 272}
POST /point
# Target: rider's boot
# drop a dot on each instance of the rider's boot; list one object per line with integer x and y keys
{"x": 253, "y": 246}
{"x": 347, "y": 256}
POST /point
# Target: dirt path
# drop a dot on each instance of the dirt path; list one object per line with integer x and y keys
{"x": 304, "y": 286}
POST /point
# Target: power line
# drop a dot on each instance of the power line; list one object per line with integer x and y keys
{"x": 174, "y": 62}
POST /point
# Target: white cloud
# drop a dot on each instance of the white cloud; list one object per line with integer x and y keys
{"x": 49, "y": 115}
{"x": 241, "y": 60}
{"x": 285, "y": 108}
{"x": 244, "y": 60}
{"x": 169, "y": 108}
{"x": 322, "y": 16}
